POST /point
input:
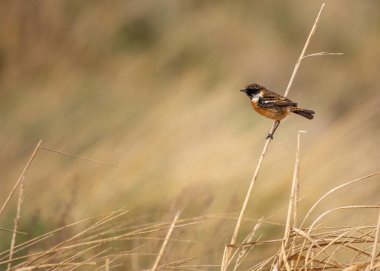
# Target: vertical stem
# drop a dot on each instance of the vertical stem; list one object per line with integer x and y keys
{"x": 107, "y": 264}
{"x": 294, "y": 191}
{"x": 164, "y": 244}
{"x": 228, "y": 249}
{"x": 375, "y": 244}
{"x": 21, "y": 176}
{"x": 292, "y": 207}
{"x": 298, "y": 63}
{"x": 16, "y": 221}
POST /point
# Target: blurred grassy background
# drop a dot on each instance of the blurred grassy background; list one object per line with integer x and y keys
{"x": 152, "y": 86}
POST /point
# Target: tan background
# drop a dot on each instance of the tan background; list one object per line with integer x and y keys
{"x": 152, "y": 86}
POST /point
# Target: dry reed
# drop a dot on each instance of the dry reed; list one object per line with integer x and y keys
{"x": 22, "y": 175}
{"x": 16, "y": 221}
{"x": 165, "y": 243}
{"x": 227, "y": 250}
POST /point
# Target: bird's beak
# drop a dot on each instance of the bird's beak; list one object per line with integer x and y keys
{"x": 243, "y": 90}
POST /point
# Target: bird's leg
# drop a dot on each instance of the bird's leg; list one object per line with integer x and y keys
{"x": 270, "y": 135}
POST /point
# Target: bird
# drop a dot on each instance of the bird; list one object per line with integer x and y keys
{"x": 273, "y": 105}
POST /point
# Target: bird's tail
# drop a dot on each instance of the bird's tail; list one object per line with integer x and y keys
{"x": 306, "y": 113}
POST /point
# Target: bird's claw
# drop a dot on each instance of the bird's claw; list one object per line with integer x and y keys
{"x": 270, "y": 136}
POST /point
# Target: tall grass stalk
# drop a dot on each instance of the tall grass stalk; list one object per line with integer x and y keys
{"x": 165, "y": 243}
{"x": 16, "y": 221}
{"x": 227, "y": 250}
{"x": 20, "y": 178}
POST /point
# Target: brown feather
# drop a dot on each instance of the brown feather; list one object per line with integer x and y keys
{"x": 306, "y": 113}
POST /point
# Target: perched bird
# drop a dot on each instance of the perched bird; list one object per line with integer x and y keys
{"x": 273, "y": 105}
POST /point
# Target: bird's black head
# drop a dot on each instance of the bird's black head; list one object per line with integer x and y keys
{"x": 252, "y": 89}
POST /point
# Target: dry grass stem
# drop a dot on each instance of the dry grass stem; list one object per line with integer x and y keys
{"x": 255, "y": 243}
{"x": 298, "y": 63}
{"x": 38, "y": 239}
{"x": 79, "y": 157}
{"x": 16, "y": 221}
{"x": 107, "y": 264}
{"x": 334, "y": 190}
{"x": 125, "y": 236}
{"x": 177, "y": 264}
{"x": 292, "y": 207}
{"x": 375, "y": 244}
{"x": 110, "y": 258}
{"x": 91, "y": 259}
{"x": 341, "y": 208}
{"x": 75, "y": 256}
{"x": 323, "y": 248}
{"x": 294, "y": 193}
{"x": 20, "y": 178}
{"x": 42, "y": 266}
{"x": 244, "y": 250}
{"x": 322, "y": 54}
{"x": 11, "y": 231}
{"x": 165, "y": 243}
{"x": 68, "y": 252}
{"x": 107, "y": 219}
{"x": 227, "y": 250}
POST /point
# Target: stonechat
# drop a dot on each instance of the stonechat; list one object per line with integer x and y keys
{"x": 273, "y": 105}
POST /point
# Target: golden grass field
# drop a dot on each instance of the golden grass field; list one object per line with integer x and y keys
{"x": 151, "y": 88}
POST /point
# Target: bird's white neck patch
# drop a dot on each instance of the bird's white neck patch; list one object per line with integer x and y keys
{"x": 256, "y": 97}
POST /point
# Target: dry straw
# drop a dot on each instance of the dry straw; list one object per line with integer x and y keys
{"x": 165, "y": 243}
{"x": 21, "y": 177}
{"x": 292, "y": 208}
{"x": 375, "y": 245}
{"x": 16, "y": 221}
{"x": 28, "y": 164}
{"x": 83, "y": 248}
{"x": 20, "y": 183}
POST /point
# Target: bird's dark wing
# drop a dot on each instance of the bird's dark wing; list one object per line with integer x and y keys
{"x": 271, "y": 99}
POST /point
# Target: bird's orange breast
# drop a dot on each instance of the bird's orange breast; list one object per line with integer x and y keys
{"x": 274, "y": 113}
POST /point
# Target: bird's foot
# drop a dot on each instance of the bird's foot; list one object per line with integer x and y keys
{"x": 270, "y": 136}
